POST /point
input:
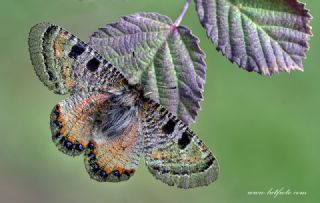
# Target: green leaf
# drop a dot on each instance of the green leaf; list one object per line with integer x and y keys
{"x": 165, "y": 59}
{"x": 264, "y": 36}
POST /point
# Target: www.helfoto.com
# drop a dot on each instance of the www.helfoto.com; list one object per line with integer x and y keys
{"x": 276, "y": 192}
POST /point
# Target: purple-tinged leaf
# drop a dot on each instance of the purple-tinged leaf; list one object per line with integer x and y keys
{"x": 166, "y": 59}
{"x": 264, "y": 36}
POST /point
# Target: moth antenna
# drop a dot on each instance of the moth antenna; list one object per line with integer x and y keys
{"x": 148, "y": 93}
{"x": 114, "y": 91}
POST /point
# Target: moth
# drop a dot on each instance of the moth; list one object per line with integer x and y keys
{"x": 111, "y": 122}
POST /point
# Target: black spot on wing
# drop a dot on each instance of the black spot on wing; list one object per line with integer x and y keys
{"x": 184, "y": 140}
{"x": 76, "y": 50}
{"x": 93, "y": 64}
{"x": 109, "y": 65}
{"x": 50, "y": 74}
{"x": 168, "y": 128}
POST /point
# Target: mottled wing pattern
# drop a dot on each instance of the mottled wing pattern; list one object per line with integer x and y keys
{"x": 72, "y": 121}
{"x": 115, "y": 158}
{"x": 65, "y": 64}
{"x": 110, "y": 121}
{"x": 79, "y": 124}
{"x": 173, "y": 153}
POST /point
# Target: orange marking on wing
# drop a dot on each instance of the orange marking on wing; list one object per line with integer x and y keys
{"x": 82, "y": 143}
{"x": 71, "y": 139}
{"x": 61, "y": 120}
{"x": 66, "y": 63}
{"x": 116, "y": 154}
{"x": 67, "y": 73}
{"x": 120, "y": 169}
{"x": 94, "y": 153}
{"x": 59, "y": 109}
{"x": 94, "y": 143}
{"x": 107, "y": 170}
{"x": 57, "y": 46}
{"x": 100, "y": 164}
{"x": 79, "y": 114}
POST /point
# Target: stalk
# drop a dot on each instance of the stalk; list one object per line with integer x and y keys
{"x": 182, "y": 13}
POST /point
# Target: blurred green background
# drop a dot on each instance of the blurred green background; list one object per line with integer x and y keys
{"x": 264, "y": 131}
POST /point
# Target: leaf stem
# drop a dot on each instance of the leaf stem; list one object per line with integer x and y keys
{"x": 182, "y": 13}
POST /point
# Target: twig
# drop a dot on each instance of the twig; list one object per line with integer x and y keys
{"x": 182, "y": 13}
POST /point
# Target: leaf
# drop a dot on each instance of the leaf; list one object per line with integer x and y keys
{"x": 165, "y": 59}
{"x": 264, "y": 36}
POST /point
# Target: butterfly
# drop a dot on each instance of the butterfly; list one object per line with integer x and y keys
{"x": 111, "y": 122}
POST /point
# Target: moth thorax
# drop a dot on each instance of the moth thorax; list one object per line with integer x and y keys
{"x": 127, "y": 98}
{"x": 116, "y": 118}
